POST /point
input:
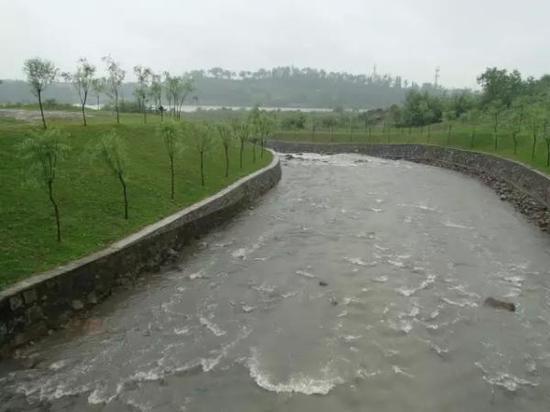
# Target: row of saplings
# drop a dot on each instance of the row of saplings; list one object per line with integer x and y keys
{"x": 44, "y": 150}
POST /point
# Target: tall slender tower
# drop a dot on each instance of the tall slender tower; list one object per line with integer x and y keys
{"x": 436, "y": 77}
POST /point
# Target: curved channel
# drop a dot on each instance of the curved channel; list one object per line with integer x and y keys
{"x": 356, "y": 284}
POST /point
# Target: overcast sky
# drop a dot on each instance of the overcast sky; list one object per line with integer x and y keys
{"x": 405, "y": 37}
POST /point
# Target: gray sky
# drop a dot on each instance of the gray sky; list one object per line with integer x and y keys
{"x": 405, "y": 37}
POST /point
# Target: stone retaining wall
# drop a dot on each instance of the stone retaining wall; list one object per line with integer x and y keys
{"x": 527, "y": 188}
{"x": 46, "y": 301}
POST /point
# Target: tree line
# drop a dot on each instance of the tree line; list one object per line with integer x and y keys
{"x": 45, "y": 150}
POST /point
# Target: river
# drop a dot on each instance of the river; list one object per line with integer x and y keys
{"x": 356, "y": 284}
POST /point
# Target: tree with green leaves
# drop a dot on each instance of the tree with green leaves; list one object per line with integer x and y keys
{"x": 43, "y": 151}
{"x": 83, "y": 82}
{"x": 264, "y": 129}
{"x": 496, "y": 108}
{"x": 201, "y": 136}
{"x": 241, "y": 129}
{"x": 535, "y": 114}
{"x": 499, "y": 86}
{"x": 226, "y": 135}
{"x": 155, "y": 92}
{"x": 40, "y": 74}
{"x": 177, "y": 90}
{"x": 472, "y": 117}
{"x": 449, "y": 117}
{"x": 143, "y": 75}
{"x": 111, "y": 150}
{"x": 546, "y": 137}
{"x": 170, "y": 133}
{"x": 113, "y": 83}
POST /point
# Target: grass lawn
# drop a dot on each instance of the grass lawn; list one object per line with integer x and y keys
{"x": 90, "y": 197}
{"x": 460, "y": 137}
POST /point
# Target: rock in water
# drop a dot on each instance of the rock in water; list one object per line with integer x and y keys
{"x": 500, "y": 304}
{"x": 323, "y": 283}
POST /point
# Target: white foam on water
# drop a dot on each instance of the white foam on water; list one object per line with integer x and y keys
{"x": 375, "y": 210}
{"x": 55, "y": 366}
{"x": 351, "y": 338}
{"x": 463, "y": 303}
{"x": 399, "y": 371}
{"x": 425, "y": 283}
{"x": 381, "y": 279}
{"x": 247, "y": 308}
{"x": 453, "y": 225}
{"x": 197, "y": 275}
{"x": 298, "y": 383}
{"x": 505, "y": 380}
{"x": 101, "y": 395}
{"x": 357, "y": 261}
{"x": 211, "y": 326}
{"x": 305, "y": 274}
{"x": 181, "y": 331}
{"x": 342, "y": 314}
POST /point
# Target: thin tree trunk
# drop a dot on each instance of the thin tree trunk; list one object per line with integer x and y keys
{"x": 262, "y": 143}
{"x": 117, "y": 110}
{"x": 472, "y": 136}
{"x": 547, "y": 152}
{"x": 172, "y": 177}
{"x": 41, "y": 109}
{"x": 84, "y": 108}
{"x": 534, "y": 147}
{"x": 202, "y": 168}
{"x": 254, "y": 152}
{"x": 55, "y": 209}
{"x": 125, "y": 193}
{"x": 241, "y": 154}
{"x": 226, "y": 151}
{"x": 449, "y": 135}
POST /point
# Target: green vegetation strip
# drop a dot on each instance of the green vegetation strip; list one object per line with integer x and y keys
{"x": 479, "y": 138}
{"x": 89, "y": 195}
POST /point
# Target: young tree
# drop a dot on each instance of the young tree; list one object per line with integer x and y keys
{"x": 449, "y": 116}
{"x": 495, "y": 110}
{"x": 113, "y": 82}
{"x": 242, "y": 131}
{"x": 40, "y": 73}
{"x": 226, "y": 136}
{"x": 177, "y": 90}
{"x": 142, "y": 89}
{"x": 472, "y": 118}
{"x": 83, "y": 81}
{"x": 201, "y": 136}
{"x": 98, "y": 86}
{"x": 546, "y": 136}
{"x": 170, "y": 133}
{"x": 112, "y": 151}
{"x": 43, "y": 151}
{"x": 535, "y": 115}
{"x": 264, "y": 129}
{"x": 155, "y": 92}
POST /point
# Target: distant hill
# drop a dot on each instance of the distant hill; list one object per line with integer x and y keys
{"x": 279, "y": 87}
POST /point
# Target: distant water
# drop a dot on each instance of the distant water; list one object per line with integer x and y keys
{"x": 194, "y": 108}
{"x": 407, "y": 254}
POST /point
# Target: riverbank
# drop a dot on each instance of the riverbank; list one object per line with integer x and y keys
{"x": 42, "y": 303}
{"x": 90, "y": 197}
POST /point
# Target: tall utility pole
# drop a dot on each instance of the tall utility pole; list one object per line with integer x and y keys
{"x": 436, "y": 77}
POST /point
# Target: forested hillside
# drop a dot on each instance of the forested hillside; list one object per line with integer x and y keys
{"x": 279, "y": 87}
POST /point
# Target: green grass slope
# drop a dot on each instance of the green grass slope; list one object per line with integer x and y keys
{"x": 89, "y": 196}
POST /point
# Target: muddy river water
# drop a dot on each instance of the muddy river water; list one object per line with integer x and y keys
{"x": 356, "y": 284}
